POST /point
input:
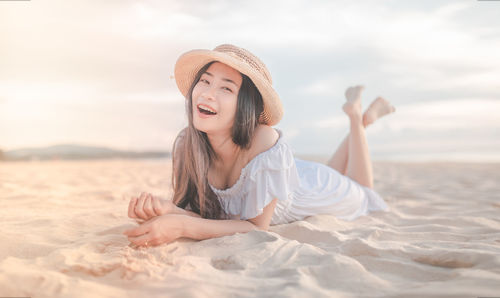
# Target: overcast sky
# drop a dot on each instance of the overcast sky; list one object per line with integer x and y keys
{"x": 99, "y": 72}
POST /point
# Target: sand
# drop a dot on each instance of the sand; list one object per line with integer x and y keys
{"x": 62, "y": 224}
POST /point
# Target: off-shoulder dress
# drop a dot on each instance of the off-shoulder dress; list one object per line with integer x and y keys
{"x": 303, "y": 188}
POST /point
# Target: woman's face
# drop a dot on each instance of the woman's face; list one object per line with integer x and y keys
{"x": 216, "y": 91}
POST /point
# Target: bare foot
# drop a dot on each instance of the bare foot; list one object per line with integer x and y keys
{"x": 377, "y": 109}
{"x": 352, "y": 107}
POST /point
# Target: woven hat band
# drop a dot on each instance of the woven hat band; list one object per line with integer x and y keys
{"x": 246, "y": 57}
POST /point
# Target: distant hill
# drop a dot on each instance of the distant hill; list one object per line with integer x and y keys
{"x": 68, "y": 151}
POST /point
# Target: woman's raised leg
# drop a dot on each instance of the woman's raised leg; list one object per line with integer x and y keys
{"x": 377, "y": 109}
{"x": 338, "y": 161}
{"x": 359, "y": 165}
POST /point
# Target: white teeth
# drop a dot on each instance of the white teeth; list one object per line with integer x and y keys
{"x": 206, "y": 109}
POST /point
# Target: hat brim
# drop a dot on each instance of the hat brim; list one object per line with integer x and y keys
{"x": 188, "y": 65}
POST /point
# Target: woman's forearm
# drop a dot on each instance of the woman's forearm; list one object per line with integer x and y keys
{"x": 201, "y": 228}
{"x": 181, "y": 211}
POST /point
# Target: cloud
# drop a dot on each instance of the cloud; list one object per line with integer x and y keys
{"x": 423, "y": 56}
{"x": 134, "y": 52}
{"x": 413, "y": 51}
{"x": 434, "y": 117}
{"x": 466, "y": 127}
{"x": 120, "y": 124}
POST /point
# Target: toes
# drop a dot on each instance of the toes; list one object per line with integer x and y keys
{"x": 385, "y": 102}
{"x": 347, "y": 91}
{"x": 354, "y": 92}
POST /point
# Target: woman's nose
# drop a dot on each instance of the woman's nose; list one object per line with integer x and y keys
{"x": 209, "y": 93}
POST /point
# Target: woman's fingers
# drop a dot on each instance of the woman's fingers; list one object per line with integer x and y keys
{"x": 148, "y": 207}
{"x": 131, "y": 207}
{"x": 139, "y": 207}
{"x": 138, "y": 237}
{"x": 144, "y": 240}
{"x": 137, "y": 231}
{"x": 141, "y": 235}
{"x": 157, "y": 206}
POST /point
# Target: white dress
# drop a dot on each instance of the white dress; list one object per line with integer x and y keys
{"x": 303, "y": 188}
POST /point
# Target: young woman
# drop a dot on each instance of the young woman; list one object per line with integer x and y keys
{"x": 233, "y": 172}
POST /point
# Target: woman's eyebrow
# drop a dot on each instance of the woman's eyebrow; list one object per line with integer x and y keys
{"x": 224, "y": 79}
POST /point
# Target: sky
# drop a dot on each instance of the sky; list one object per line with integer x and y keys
{"x": 101, "y": 72}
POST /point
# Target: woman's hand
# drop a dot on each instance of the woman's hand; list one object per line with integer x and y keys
{"x": 147, "y": 206}
{"x": 161, "y": 229}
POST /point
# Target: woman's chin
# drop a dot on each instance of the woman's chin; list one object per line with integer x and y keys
{"x": 205, "y": 127}
{"x": 200, "y": 126}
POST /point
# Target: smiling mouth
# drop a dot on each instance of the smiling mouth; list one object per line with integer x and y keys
{"x": 206, "y": 112}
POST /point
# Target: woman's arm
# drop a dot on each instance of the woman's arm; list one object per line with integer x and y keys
{"x": 200, "y": 228}
{"x": 168, "y": 227}
{"x": 179, "y": 210}
{"x": 147, "y": 206}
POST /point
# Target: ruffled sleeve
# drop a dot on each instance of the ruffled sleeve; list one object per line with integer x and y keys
{"x": 272, "y": 175}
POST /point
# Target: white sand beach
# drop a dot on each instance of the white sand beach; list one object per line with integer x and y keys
{"x": 62, "y": 223}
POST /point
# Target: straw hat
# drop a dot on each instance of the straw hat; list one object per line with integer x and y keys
{"x": 240, "y": 59}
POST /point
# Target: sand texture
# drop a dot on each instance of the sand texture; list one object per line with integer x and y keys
{"x": 62, "y": 223}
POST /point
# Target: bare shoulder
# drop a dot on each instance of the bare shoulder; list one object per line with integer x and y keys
{"x": 265, "y": 137}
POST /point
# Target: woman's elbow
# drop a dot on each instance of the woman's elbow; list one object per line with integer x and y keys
{"x": 260, "y": 227}
{"x": 262, "y": 222}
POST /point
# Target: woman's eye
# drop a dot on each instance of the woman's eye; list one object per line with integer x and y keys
{"x": 204, "y": 81}
{"x": 225, "y": 88}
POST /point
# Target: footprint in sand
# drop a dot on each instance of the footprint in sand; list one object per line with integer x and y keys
{"x": 444, "y": 261}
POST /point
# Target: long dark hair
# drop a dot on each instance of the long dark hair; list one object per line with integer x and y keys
{"x": 193, "y": 154}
